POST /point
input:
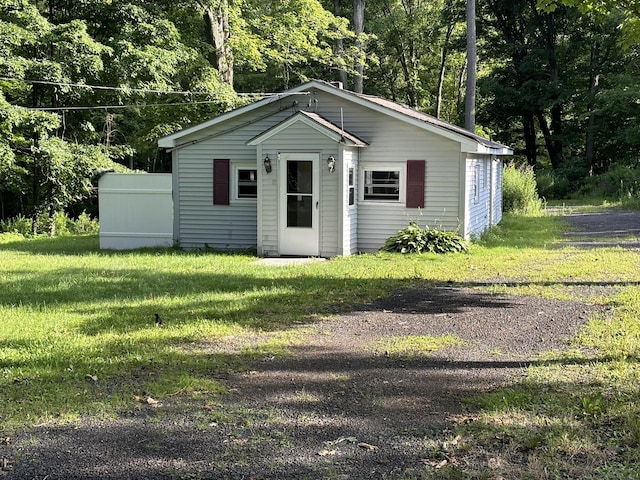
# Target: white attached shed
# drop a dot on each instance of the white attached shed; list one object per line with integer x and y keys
{"x": 136, "y": 210}
{"x": 322, "y": 171}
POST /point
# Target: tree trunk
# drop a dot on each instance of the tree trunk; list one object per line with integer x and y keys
{"x": 218, "y": 32}
{"x": 337, "y": 10}
{"x": 470, "y": 93}
{"x": 358, "y": 28}
{"x": 553, "y": 137}
{"x": 443, "y": 65}
{"x": 594, "y": 86}
{"x": 530, "y": 148}
{"x": 407, "y": 72}
{"x": 549, "y": 141}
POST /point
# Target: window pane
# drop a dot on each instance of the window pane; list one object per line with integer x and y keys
{"x": 382, "y": 185}
{"x": 247, "y": 184}
{"x": 299, "y": 211}
{"x": 352, "y": 190}
{"x": 299, "y": 177}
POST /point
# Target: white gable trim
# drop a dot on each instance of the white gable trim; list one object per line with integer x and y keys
{"x": 171, "y": 141}
{"x": 301, "y": 117}
{"x": 467, "y": 143}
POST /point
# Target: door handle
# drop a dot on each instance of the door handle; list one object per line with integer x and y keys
{"x": 317, "y": 203}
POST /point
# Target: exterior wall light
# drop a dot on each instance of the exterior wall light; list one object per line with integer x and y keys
{"x": 267, "y": 164}
{"x": 331, "y": 163}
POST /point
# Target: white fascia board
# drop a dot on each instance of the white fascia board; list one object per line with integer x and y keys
{"x": 493, "y": 150}
{"x": 171, "y": 141}
{"x": 287, "y": 123}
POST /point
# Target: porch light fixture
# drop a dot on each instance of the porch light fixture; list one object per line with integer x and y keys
{"x": 331, "y": 163}
{"x": 267, "y": 164}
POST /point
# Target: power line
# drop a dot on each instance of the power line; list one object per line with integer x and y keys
{"x": 135, "y": 90}
{"x": 127, "y": 89}
{"x": 109, "y": 107}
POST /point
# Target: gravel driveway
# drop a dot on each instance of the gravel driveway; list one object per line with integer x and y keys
{"x": 338, "y": 407}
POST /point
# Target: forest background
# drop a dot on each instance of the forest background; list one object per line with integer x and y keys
{"x": 88, "y": 85}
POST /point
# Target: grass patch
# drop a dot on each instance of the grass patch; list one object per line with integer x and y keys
{"x": 414, "y": 346}
{"x": 77, "y": 337}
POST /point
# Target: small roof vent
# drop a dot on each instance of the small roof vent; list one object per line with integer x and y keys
{"x": 338, "y": 85}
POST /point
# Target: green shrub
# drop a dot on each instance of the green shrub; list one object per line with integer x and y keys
{"x": 519, "y": 191}
{"x": 619, "y": 183}
{"x": 414, "y": 239}
{"x": 554, "y": 185}
{"x": 20, "y": 225}
{"x": 83, "y": 225}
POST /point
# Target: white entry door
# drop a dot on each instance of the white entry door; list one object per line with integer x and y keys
{"x": 299, "y": 204}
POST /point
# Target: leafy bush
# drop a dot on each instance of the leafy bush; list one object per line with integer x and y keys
{"x": 414, "y": 239}
{"x": 83, "y": 225}
{"x": 620, "y": 182}
{"x": 19, "y": 224}
{"x": 519, "y": 191}
{"x": 554, "y": 185}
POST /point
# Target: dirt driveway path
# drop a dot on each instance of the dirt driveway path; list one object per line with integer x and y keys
{"x": 338, "y": 407}
{"x": 604, "y": 229}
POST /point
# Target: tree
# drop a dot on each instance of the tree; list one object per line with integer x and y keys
{"x": 358, "y": 28}
{"x": 470, "y": 95}
{"x": 218, "y": 34}
{"x": 419, "y": 52}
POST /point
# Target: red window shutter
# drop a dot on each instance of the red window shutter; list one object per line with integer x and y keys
{"x": 220, "y": 181}
{"x": 415, "y": 184}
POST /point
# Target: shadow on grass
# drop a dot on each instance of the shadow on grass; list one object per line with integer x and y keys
{"x": 342, "y": 414}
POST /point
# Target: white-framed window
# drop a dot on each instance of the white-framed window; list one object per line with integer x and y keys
{"x": 352, "y": 185}
{"x": 244, "y": 182}
{"x": 476, "y": 183}
{"x": 384, "y": 183}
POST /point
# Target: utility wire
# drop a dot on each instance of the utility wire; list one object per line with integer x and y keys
{"x": 125, "y": 89}
{"x": 109, "y": 107}
{"x": 132, "y": 90}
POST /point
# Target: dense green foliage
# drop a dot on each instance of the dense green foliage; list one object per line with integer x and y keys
{"x": 414, "y": 239}
{"x": 94, "y": 83}
{"x": 520, "y": 191}
{"x": 61, "y": 223}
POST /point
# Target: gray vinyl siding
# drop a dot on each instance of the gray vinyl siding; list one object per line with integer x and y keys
{"x": 198, "y": 222}
{"x": 269, "y": 209}
{"x": 394, "y": 142}
{"x": 300, "y": 137}
{"x": 478, "y": 204}
{"x": 497, "y": 188}
{"x": 343, "y": 230}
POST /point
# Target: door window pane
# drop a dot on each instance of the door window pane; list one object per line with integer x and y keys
{"x": 299, "y": 177}
{"x": 299, "y": 211}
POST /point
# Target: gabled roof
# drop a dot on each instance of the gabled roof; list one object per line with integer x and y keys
{"x": 469, "y": 142}
{"x": 315, "y": 121}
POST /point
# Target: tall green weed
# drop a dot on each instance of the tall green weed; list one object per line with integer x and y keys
{"x": 519, "y": 191}
{"x": 63, "y": 225}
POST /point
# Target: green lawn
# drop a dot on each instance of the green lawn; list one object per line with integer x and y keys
{"x": 78, "y": 337}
